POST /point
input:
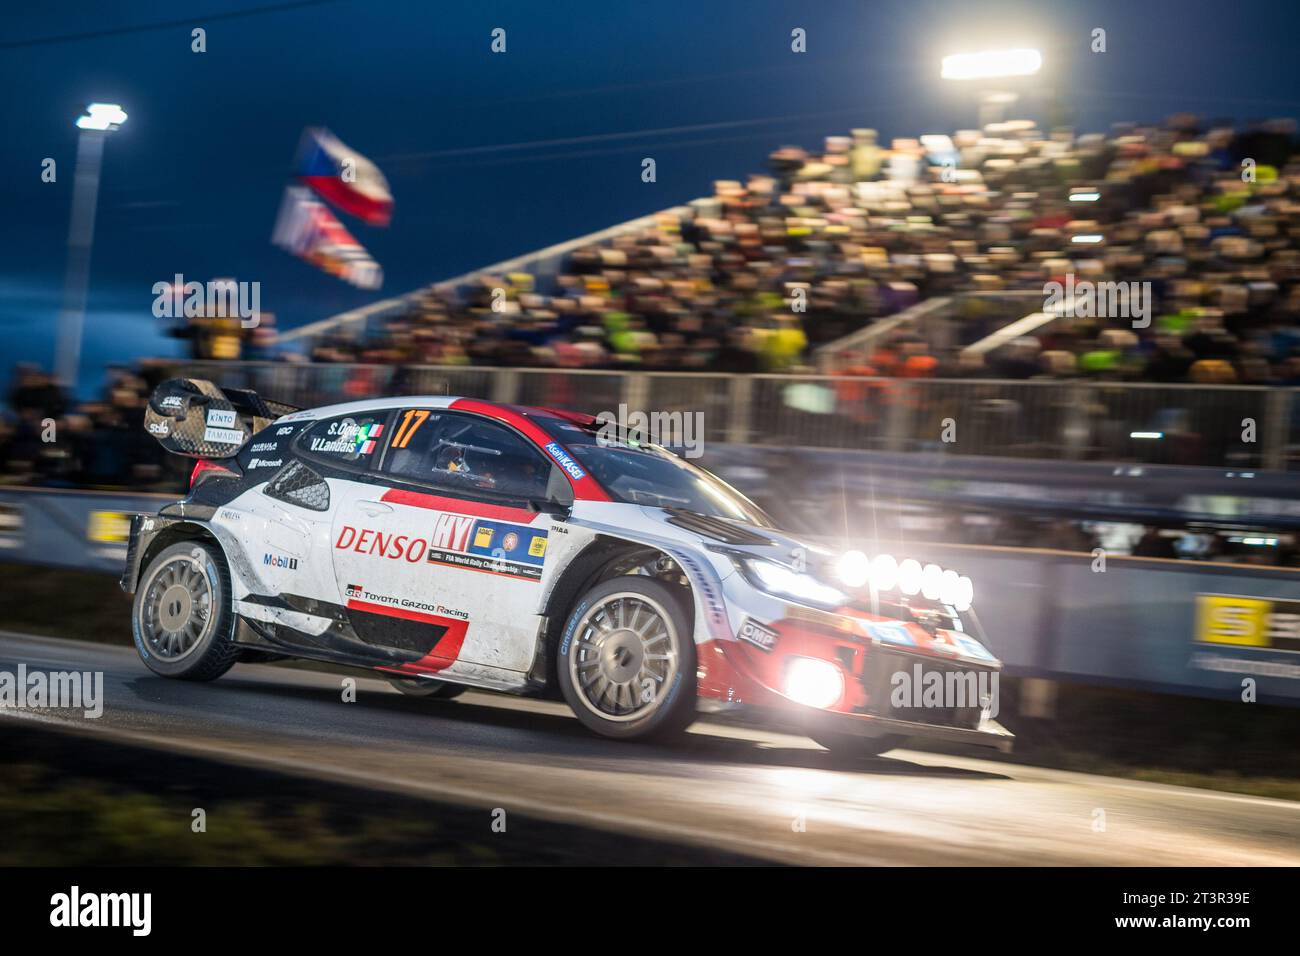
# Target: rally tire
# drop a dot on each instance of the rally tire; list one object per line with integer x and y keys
{"x": 626, "y": 660}
{"x": 424, "y": 687}
{"x": 853, "y": 746}
{"x": 182, "y": 621}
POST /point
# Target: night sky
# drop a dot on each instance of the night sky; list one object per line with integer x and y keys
{"x": 192, "y": 182}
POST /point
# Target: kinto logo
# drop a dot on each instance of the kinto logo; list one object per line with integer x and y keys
{"x": 218, "y": 298}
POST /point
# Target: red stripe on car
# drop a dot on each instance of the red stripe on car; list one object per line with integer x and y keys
{"x": 418, "y": 499}
{"x": 443, "y": 654}
{"x": 585, "y": 488}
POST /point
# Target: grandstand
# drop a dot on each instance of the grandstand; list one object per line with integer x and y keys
{"x": 819, "y": 260}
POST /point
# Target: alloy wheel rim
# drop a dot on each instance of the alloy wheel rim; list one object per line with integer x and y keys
{"x": 624, "y": 656}
{"x": 177, "y": 610}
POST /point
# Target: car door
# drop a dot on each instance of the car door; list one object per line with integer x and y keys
{"x": 312, "y": 471}
{"x": 449, "y": 547}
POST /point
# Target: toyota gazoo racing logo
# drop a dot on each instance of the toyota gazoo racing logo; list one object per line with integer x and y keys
{"x": 462, "y": 541}
{"x": 566, "y": 461}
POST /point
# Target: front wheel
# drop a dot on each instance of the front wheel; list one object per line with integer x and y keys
{"x": 851, "y": 745}
{"x": 626, "y": 660}
{"x": 182, "y": 620}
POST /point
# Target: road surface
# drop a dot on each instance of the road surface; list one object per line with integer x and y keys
{"x": 767, "y": 795}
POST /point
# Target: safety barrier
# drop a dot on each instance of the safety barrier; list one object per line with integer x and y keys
{"x": 1244, "y": 427}
{"x": 1172, "y": 626}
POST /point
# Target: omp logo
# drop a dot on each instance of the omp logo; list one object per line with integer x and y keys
{"x": 280, "y": 561}
{"x": 75, "y": 909}
{"x": 758, "y": 635}
{"x": 1260, "y": 623}
{"x": 566, "y": 461}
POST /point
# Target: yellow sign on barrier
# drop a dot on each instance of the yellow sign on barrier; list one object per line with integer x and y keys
{"x": 1236, "y": 621}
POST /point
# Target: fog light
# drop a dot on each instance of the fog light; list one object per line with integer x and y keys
{"x": 813, "y": 682}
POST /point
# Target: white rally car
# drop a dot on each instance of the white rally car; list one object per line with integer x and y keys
{"x": 455, "y": 543}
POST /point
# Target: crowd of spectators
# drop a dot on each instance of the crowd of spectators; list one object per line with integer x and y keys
{"x": 46, "y": 439}
{"x": 765, "y": 271}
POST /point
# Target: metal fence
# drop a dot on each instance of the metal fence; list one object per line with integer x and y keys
{"x": 1233, "y": 426}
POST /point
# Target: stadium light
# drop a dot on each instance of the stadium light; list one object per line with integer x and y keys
{"x": 104, "y": 117}
{"x": 98, "y": 120}
{"x": 991, "y": 64}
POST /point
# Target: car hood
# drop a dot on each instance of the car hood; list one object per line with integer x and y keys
{"x": 739, "y": 536}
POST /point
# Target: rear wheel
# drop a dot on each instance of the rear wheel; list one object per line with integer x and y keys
{"x": 182, "y": 620}
{"x": 423, "y": 687}
{"x": 626, "y": 660}
{"x": 851, "y": 745}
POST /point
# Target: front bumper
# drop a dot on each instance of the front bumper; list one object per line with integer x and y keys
{"x": 989, "y": 733}
{"x": 750, "y": 678}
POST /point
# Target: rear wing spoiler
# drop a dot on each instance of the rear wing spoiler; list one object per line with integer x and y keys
{"x": 195, "y": 418}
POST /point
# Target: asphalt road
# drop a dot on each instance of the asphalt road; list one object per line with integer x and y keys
{"x": 767, "y": 795}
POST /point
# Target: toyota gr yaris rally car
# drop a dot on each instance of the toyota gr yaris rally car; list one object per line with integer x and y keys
{"x": 455, "y": 543}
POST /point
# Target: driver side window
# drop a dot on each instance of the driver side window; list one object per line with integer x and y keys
{"x": 466, "y": 455}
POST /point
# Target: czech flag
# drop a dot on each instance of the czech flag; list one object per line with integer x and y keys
{"x": 343, "y": 177}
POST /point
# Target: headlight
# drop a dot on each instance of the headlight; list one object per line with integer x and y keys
{"x": 931, "y": 581}
{"x": 813, "y": 682}
{"x": 854, "y": 569}
{"x": 965, "y": 594}
{"x": 884, "y": 572}
{"x": 909, "y": 576}
{"x": 799, "y": 586}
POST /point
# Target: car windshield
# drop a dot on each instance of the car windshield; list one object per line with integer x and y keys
{"x": 645, "y": 474}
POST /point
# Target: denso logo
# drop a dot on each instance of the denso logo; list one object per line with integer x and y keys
{"x": 566, "y": 461}
{"x": 380, "y": 545}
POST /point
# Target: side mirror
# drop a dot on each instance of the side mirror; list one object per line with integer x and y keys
{"x": 550, "y": 507}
